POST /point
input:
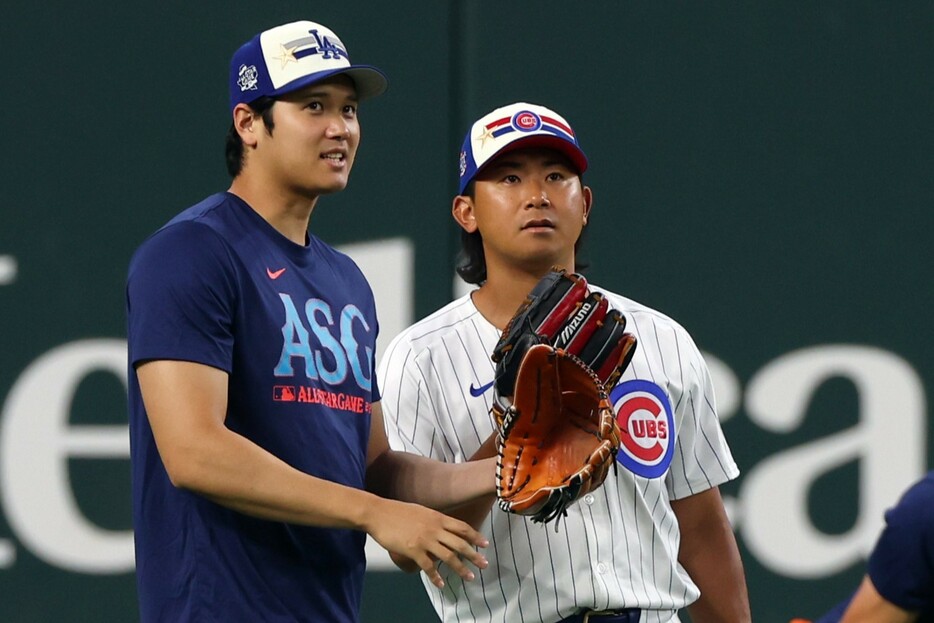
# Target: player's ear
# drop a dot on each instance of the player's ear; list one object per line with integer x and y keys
{"x": 246, "y": 122}
{"x": 588, "y": 202}
{"x": 463, "y": 212}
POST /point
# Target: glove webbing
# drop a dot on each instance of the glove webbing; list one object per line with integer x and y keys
{"x": 546, "y": 307}
{"x": 537, "y": 320}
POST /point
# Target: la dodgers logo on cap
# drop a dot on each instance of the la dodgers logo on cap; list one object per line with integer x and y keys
{"x": 514, "y": 126}
{"x": 647, "y": 426}
{"x": 292, "y": 56}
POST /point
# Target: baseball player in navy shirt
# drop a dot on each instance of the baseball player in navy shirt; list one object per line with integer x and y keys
{"x": 259, "y": 457}
{"x": 654, "y": 538}
{"x": 899, "y": 583}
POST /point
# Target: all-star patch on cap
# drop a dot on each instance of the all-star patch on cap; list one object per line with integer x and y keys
{"x": 512, "y": 127}
{"x": 292, "y": 56}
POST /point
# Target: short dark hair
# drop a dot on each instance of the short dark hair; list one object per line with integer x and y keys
{"x": 471, "y": 262}
{"x": 234, "y": 147}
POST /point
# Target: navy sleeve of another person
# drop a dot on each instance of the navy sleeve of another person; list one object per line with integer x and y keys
{"x": 902, "y": 564}
{"x": 181, "y": 297}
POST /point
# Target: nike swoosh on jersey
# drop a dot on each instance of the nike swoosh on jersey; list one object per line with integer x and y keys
{"x": 479, "y": 391}
{"x": 274, "y": 274}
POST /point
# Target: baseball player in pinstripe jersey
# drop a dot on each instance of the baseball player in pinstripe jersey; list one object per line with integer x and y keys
{"x": 654, "y": 538}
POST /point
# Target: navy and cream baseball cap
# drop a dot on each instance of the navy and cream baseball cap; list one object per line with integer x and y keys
{"x": 512, "y": 127}
{"x": 292, "y": 56}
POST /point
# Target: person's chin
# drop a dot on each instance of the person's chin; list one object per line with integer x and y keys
{"x": 557, "y": 255}
{"x": 332, "y": 186}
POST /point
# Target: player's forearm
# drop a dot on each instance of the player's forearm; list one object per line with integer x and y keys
{"x": 442, "y": 486}
{"x": 719, "y": 575}
{"x": 233, "y": 471}
{"x": 710, "y": 556}
{"x": 186, "y": 405}
{"x": 476, "y": 512}
{"x": 721, "y": 600}
{"x": 486, "y": 450}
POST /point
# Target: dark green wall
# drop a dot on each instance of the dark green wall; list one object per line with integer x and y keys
{"x": 762, "y": 173}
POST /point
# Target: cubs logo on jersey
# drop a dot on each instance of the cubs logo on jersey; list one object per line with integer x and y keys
{"x": 646, "y": 422}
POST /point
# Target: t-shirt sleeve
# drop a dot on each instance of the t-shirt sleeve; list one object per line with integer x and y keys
{"x": 702, "y": 458}
{"x": 901, "y": 565}
{"x": 181, "y": 298}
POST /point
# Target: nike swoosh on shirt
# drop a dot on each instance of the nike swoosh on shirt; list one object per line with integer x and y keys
{"x": 274, "y": 274}
{"x": 479, "y": 391}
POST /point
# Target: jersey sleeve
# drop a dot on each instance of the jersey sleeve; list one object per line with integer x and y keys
{"x": 702, "y": 458}
{"x": 181, "y": 298}
{"x": 406, "y": 404}
{"x": 901, "y": 565}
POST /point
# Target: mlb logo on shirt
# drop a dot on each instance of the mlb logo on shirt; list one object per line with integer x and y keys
{"x": 283, "y": 393}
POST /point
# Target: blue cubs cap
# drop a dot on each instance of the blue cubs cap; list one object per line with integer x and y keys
{"x": 292, "y": 56}
{"x": 512, "y": 127}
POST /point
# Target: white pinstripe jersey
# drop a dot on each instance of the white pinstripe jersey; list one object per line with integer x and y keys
{"x": 618, "y": 546}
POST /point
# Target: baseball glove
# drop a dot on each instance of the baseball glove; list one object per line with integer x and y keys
{"x": 557, "y": 430}
{"x": 558, "y": 437}
{"x": 561, "y": 311}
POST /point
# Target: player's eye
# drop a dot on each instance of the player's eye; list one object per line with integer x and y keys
{"x": 511, "y": 179}
{"x": 555, "y": 176}
{"x": 315, "y": 105}
{"x": 350, "y": 110}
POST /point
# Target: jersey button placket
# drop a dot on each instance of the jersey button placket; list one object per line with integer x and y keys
{"x": 597, "y": 547}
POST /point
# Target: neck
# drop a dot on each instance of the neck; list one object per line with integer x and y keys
{"x": 505, "y": 290}
{"x": 287, "y": 213}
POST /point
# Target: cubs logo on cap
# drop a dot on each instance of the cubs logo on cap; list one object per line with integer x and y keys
{"x": 292, "y": 56}
{"x": 511, "y": 127}
{"x": 647, "y": 427}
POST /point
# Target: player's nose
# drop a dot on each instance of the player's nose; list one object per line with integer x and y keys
{"x": 339, "y": 128}
{"x": 538, "y": 196}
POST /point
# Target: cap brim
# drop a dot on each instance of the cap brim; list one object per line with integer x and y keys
{"x": 368, "y": 80}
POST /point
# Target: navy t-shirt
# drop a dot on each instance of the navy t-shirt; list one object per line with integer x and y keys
{"x": 295, "y": 329}
{"x": 901, "y": 565}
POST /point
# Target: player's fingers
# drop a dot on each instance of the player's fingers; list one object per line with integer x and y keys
{"x": 463, "y": 539}
{"x": 451, "y": 558}
{"x": 466, "y": 532}
{"x": 466, "y": 551}
{"x": 456, "y": 549}
{"x": 462, "y": 529}
{"x": 427, "y": 564}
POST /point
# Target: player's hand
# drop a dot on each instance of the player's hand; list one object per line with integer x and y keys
{"x": 426, "y": 536}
